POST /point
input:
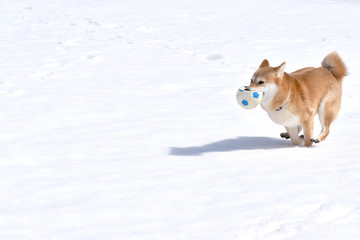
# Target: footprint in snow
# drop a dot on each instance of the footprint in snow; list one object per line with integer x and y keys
{"x": 69, "y": 43}
{"x": 12, "y": 93}
{"x": 329, "y": 212}
{"x": 92, "y": 22}
{"x": 88, "y": 57}
{"x": 214, "y": 57}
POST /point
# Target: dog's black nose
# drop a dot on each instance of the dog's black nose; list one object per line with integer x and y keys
{"x": 247, "y": 89}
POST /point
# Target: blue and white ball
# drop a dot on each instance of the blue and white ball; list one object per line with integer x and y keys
{"x": 248, "y": 99}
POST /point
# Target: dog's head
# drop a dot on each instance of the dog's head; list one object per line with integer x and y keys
{"x": 266, "y": 77}
{"x": 267, "y": 80}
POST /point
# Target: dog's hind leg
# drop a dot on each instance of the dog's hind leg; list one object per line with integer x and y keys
{"x": 328, "y": 110}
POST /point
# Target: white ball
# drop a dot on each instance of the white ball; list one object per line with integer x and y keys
{"x": 248, "y": 99}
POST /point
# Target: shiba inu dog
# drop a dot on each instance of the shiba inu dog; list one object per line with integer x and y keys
{"x": 293, "y": 99}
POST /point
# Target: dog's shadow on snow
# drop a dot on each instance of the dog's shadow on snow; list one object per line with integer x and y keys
{"x": 233, "y": 144}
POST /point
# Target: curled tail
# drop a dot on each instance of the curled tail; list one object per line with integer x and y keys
{"x": 335, "y": 65}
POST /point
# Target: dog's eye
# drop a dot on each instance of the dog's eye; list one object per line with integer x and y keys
{"x": 260, "y": 82}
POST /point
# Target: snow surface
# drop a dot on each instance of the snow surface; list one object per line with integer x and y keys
{"x": 119, "y": 121}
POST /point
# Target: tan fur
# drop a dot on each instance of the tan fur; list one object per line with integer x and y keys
{"x": 294, "y": 99}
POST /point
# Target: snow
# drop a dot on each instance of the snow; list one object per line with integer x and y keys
{"x": 119, "y": 121}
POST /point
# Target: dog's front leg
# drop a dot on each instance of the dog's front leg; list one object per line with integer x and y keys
{"x": 294, "y": 135}
{"x": 286, "y": 135}
{"x": 308, "y": 126}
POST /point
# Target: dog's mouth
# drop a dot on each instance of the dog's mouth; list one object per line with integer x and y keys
{"x": 255, "y": 89}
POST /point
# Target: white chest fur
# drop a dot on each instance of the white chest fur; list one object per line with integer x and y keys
{"x": 284, "y": 117}
{"x": 269, "y": 91}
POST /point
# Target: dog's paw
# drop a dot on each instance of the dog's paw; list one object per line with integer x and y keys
{"x": 314, "y": 140}
{"x": 285, "y": 135}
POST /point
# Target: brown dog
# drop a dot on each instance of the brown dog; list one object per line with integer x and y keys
{"x": 292, "y": 100}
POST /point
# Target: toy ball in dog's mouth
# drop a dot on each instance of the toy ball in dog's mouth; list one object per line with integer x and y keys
{"x": 248, "y": 99}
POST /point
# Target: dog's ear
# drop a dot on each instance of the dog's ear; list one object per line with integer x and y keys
{"x": 265, "y": 63}
{"x": 280, "y": 70}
